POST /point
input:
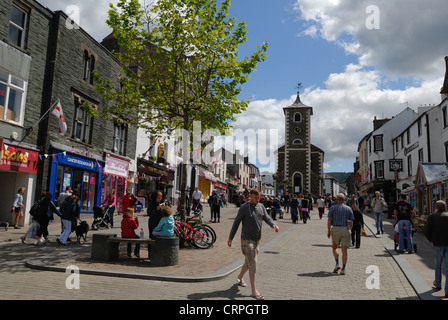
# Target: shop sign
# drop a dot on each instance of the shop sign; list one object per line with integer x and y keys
{"x": 116, "y": 166}
{"x": 19, "y": 159}
{"x": 77, "y": 162}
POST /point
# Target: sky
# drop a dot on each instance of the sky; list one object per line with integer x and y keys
{"x": 356, "y": 60}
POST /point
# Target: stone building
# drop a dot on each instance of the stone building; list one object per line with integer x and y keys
{"x": 299, "y": 163}
{"x": 46, "y": 58}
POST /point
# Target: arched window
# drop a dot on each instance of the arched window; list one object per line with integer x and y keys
{"x": 297, "y": 117}
{"x": 297, "y": 142}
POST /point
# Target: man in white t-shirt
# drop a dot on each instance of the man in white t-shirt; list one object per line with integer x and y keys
{"x": 197, "y": 196}
{"x": 321, "y": 207}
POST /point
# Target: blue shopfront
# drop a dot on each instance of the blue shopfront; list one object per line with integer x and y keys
{"x": 82, "y": 174}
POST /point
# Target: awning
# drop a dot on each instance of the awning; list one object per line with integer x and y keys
{"x": 207, "y": 175}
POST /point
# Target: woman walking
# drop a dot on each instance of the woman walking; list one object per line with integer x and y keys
{"x": 17, "y": 207}
{"x": 68, "y": 216}
{"x": 109, "y": 204}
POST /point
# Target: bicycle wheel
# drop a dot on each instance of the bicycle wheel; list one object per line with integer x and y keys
{"x": 206, "y": 226}
{"x": 202, "y": 238}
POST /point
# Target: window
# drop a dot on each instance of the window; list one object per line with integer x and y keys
{"x": 120, "y": 132}
{"x": 83, "y": 123}
{"x": 297, "y": 142}
{"x": 420, "y": 155}
{"x": 379, "y": 169}
{"x": 378, "y": 143}
{"x": 446, "y": 151}
{"x": 419, "y": 127}
{"x": 297, "y": 117}
{"x": 17, "y": 27}
{"x": 12, "y": 97}
{"x": 89, "y": 67}
{"x": 408, "y": 136}
{"x": 409, "y": 166}
{"x": 445, "y": 118}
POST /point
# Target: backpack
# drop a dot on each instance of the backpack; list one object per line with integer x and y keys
{"x": 216, "y": 200}
{"x": 35, "y": 208}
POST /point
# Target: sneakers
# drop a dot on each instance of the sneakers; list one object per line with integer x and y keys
{"x": 337, "y": 268}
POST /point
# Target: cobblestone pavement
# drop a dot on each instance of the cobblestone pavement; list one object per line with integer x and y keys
{"x": 294, "y": 264}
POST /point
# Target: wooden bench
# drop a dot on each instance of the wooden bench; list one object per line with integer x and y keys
{"x": 163, "y": 251}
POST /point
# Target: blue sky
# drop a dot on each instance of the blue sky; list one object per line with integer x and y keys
{"x": 350, "y": 72}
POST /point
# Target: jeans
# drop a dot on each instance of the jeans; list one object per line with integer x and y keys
{"x": 379, "y": 221}
{"x": 67, "y": 230}
{"x": 401, "y": 225}
{"x": 294, "y": 214}
{"x": 111, "y": 212}
{"x": 440, "y": 256}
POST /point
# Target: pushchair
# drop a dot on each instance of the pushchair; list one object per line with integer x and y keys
{"x": 405, "y": 239}
{"x": 100, "y": 219}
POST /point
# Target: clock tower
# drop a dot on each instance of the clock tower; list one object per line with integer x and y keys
{"x": 298, "y": 148}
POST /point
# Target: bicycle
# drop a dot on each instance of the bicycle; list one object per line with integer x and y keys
{"x": 198, "y": 236}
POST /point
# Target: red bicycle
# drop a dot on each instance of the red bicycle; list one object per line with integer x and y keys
{"x": 198, "y": 236}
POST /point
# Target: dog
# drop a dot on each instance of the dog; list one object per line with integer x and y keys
{"x": 4, "y": 224}
{"x": 81, "y": 231}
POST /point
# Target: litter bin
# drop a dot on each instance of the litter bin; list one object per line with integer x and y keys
{"x": 103, "y": 250}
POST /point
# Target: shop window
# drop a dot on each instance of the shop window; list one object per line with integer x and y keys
{"x": 120, "y": 132}
{"x": 12, "y": 97}
{"x": 83, "y": 124}
{"x": 17, "y": 27}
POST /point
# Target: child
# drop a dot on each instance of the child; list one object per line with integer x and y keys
{"x": 128, "y": 225}
{"x": 165, "y": 228}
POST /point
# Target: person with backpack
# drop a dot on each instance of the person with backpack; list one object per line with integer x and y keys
{"x": 43, "y": 216}
{"x": 215, "y": 207}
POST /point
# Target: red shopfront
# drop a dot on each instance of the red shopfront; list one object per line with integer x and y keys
{"x": 115, "y": 177}
{"x": 18, "y": 168}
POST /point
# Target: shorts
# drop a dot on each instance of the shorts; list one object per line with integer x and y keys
{"x": 17, "y": 209}
{"x": 250, "y": 252}
{"x": 341, "y": 235}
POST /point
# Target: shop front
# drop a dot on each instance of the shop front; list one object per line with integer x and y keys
{"x": 430, "y": 186}
{"x": 18, "y": 168}
{"x": 115, "y": 177}
{"x": 151, "y": 177}
{"x": 82, "y": 174}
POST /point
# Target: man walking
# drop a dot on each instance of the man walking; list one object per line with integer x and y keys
{"x": 437, "y": 232}
{"x": 251, "y": 214}
{"x": 404, "y": 213}
{"x": 377, "y": 206}
{"x": 340, "y": 222}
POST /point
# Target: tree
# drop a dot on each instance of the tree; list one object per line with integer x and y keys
{"x": 180, "y": 65}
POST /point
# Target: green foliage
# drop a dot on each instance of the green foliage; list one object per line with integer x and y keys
{"x": 188, "y": 65}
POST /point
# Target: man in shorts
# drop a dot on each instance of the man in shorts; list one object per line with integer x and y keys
{"x": 340, "y": 223}
{"x": 251, "y": 214}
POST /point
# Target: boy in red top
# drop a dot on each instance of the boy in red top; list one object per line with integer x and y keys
{"x": 128, "y": 225}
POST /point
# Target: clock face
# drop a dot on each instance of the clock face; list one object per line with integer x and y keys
{"x": 297, "y": 129}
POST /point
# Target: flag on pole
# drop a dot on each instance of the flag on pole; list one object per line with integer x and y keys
{"x": 57, "y": 112}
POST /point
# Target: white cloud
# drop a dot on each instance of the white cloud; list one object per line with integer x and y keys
{"x": 408, "y": 43}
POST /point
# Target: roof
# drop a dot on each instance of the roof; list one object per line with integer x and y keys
{"x": 298, "y": 104}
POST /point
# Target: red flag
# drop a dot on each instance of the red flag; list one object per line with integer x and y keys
{"x": 57, "y": 112}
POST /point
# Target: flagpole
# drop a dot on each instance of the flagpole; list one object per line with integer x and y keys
{"x": 30, "y": 129}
